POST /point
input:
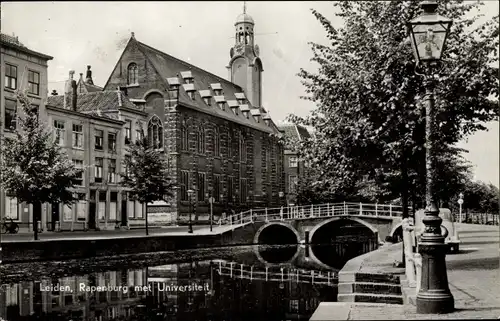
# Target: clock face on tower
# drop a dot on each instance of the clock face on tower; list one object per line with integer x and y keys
{"x": 238, "y": 49}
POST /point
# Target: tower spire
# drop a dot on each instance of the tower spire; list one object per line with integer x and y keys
{"x": 244, "y": 7}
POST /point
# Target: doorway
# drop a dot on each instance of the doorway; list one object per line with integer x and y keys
{"x": 124, "y": 213}
{"x": 55, "y": 215}
{"x": 92, "y": 214}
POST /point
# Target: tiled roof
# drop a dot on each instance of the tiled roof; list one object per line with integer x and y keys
{"x": 294, "y": 132}
{"x": 168, "y": 67}
{"x": 14, "y": 42}
{"x": 93, "y": 101}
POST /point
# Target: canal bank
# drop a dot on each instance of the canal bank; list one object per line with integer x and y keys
{"x": 85, "y": 247}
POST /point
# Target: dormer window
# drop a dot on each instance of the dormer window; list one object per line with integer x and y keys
{"x": 190, "y": 90}
{"x": 256, "y": 114}
{"x": 245, "y": 110}
{"x": 267, "y": 119}
{"x": 240, "y": 97}
{"x": 221, "y": 102}
{"x": 233, "y": 104}
{"x": 217, "y": 89}
{"x": 207, "y": 96}
{"x": 187, "y": 77}
{"x": 173, "y": 91}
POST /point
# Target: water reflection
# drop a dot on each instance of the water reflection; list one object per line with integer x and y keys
{"x": 202, "y": 290}
{"x": 270, "y": 254}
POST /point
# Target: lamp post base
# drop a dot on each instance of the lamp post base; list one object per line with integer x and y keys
{"x": 434, "y": 296}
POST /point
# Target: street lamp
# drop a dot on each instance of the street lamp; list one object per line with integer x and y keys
{"x": 211, "y": 201}
{"x": 460, "y": 202}
{"x": 191, "y": 209}
{"x": 428, "y": 33}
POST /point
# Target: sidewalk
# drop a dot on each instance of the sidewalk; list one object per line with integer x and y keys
{"x": 473, "y": 275}
{"x": 114, "y": 234}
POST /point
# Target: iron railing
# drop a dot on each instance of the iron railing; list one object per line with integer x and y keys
{"x": 312, "y": 211}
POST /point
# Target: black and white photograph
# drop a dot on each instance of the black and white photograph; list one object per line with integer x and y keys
{"x": 249, "y": 160}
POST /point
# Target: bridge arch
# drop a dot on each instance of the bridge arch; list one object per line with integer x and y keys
{"x": 397, "y": 231}
{"x": 354, "y": 219}
{"x": 289, "y": 236}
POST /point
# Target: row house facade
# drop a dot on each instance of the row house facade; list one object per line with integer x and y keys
{"x": 219, "y": 140}
{"x": 22, "y": 69}
{"x": 294, "y": 167}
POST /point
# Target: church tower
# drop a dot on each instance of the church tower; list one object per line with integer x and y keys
{"x": 245, "y": 66}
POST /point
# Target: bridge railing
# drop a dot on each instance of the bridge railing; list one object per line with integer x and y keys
{"x": 251, "y": 272}
{"x": 312, "y": 211}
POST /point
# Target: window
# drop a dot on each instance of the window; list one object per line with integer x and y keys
{"x": 10, "y": 114}
{"x": 191, "y": 94}
{"x": 139, "y": 135}
{"x": 111, "y": 142}
{"x": 216, "y": 142}
{"x": 243, "y": 150}
{"x": 230, "y": 188}
{"x": 222, "y": 105}
{"x": 112, "y": 171}
{"x": 126, "y": 161}
{"x": 292, "y": 161}
{"x": 139, "y": 210}
{"x": 128, "y": 132}
{"x": 243, "y": 190}
{"x": 99, "y": 163}
{"x": 78, "y": 165}
{"x": 189, "y": 80}
{"x": 133, "y": 73}
{"x": 80, "y": 207}
{"x": 184, "y": 138}
{"x": 99, "y": 138}
{"x": 130, "y": 206}
{"x": 217, "y": 92}
{"x": 33, "y": 82}
{"x": 208, "y": 101}
{"x": 59, "y": 131}
{"x": 229, "y": 145}
{"x": 201, "y": 184}
{"x": 184, "y": 185}
{"x": 77, "y": 136}
{"x": 67, "y": 213}
{"x": 200, "y": 141}
{"x": 217, "y": 187}
{"x": 155, "y": 132}
{"x": 292, "y": 183}
{"x": 11, "y": 208}
{"x": 10, "y": 76}
{"x": 113, "y": 200}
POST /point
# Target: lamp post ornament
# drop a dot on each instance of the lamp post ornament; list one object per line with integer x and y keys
{"x": 428, "y": 34}
{"x": 460, "y": 202}
{"x": 191, "y": 208}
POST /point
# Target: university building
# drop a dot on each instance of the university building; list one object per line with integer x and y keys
{"x": 219, "y": 141}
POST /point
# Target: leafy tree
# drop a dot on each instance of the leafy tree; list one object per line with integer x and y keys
{"x": 35, "y": 169}
{"x": 369, "y": 123}
{"x": 146, "y": 174}
{"x": 480, "y": 197}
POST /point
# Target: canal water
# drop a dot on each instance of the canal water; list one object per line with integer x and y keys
{"x": 257, "y": 282}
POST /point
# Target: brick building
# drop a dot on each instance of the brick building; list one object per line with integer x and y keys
{"x": 218, "y": 138}
{"x": 22, "y": 69}
{"x": 293, "y": 165}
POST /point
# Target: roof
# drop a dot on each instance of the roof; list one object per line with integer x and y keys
{"x": 92, "y": 88}
{"x": 244, "y": 18}
{"x": 168, "y": 67}
{"x": 14, "y": 42}
{"x": 294, "y": 132}
{"x": 94, "y": 101}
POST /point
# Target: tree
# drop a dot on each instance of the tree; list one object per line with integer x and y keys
{"x": 34, "y": 167}
{"x": 369, "y": 123}
{"x": 146, "y": 174}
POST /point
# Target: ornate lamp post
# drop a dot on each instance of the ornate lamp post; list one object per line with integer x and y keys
{"x": 460, "y": 202}
{"x": 191, "y": 208}
{"x": 428, "y": 34}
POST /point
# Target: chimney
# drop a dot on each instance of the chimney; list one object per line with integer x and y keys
{"x": 88, "y": 79}
{"x": 74, "y": 95}
{"x": 68, "y": 90}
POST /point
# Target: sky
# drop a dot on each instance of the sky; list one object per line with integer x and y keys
{"x": 78, "y": 34}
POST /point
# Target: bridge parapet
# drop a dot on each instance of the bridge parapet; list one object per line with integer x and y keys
{"x": 313, "y": 211}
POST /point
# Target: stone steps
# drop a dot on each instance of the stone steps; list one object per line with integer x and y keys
{"x": 370, "y": 298}
{"x": 370, "y": 287}
{"x": 376, "y": 278}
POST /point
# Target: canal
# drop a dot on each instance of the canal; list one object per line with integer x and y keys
{"x": 256, "y": 282}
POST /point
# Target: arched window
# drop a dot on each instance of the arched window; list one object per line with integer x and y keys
{"x": 155, "y": 132}
{"x": 229, "y": 145}
{"x": 216, "y": 142}
{"x": 133, "y": 74}
{"x": 184, "y": 137}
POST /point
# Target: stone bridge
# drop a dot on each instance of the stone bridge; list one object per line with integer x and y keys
{"x": 320, "y": 224}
